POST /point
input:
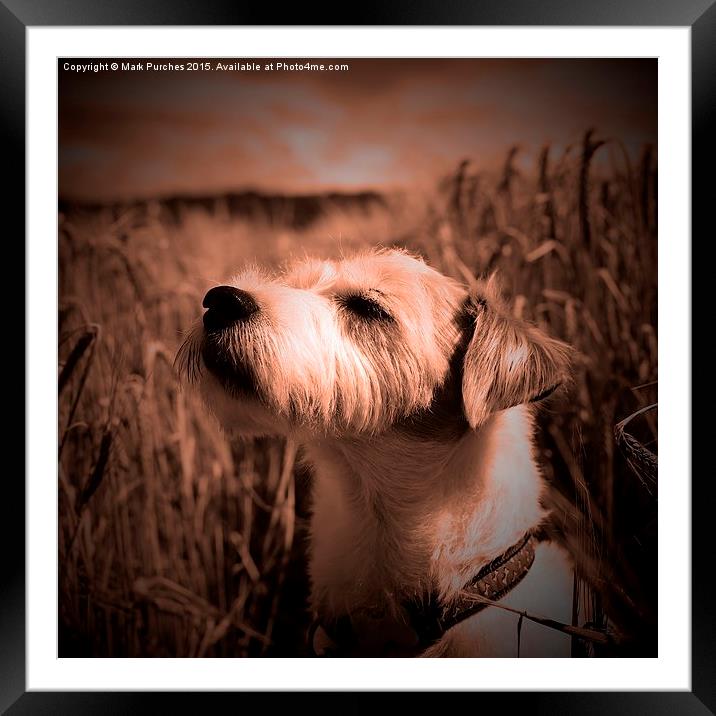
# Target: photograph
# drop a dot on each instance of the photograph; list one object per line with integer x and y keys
{"x": 357, "y": 357}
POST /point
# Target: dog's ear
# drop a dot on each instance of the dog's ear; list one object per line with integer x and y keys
{"x": 507, "y": 362}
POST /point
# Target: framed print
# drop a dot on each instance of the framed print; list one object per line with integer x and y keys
{"x": 358, "y": 336}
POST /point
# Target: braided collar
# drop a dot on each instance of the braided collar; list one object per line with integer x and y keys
{"x": 430, "y": 619}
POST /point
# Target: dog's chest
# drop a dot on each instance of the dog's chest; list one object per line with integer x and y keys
{"x": 393, "y": 521}
{"x": 361, "y": 557}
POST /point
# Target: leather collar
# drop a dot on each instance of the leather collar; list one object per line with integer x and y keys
{"x": 428, "y": 617}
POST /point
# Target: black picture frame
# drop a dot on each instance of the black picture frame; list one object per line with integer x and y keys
{"x": 17, "y": 15}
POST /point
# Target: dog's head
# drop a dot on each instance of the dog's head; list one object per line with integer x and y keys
{"x": 359, "y": 345}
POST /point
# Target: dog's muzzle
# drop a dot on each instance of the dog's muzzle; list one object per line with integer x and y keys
{"x": 228, "y": 310}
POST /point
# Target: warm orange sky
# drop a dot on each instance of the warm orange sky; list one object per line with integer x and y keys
{"x": 382, "y": 124}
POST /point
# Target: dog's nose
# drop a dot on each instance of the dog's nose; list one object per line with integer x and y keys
{"x": 227, "y": 305}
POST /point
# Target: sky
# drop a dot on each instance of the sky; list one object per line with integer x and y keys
{"x": 383, "y": 124}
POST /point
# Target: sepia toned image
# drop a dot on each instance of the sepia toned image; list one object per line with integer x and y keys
{"x": 357, "y": 357}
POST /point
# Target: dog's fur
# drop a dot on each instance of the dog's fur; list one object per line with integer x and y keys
{"x": 412, "y": 397}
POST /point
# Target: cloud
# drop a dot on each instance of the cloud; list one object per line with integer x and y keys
{"x": 383, "y": 123}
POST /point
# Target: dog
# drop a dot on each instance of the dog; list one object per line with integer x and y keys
{"x": 413, "y": 399}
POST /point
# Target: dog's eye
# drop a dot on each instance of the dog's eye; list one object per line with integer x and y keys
{"x": 365, "y": 307}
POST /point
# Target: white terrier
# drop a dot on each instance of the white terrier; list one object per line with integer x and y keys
{"x": 412, "y": 398}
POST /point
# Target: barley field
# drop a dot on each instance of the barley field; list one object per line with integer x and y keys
{"x": 174, "y": 541}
